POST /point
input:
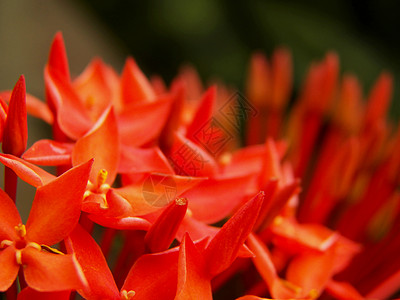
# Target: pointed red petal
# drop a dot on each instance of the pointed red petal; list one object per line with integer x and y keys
{"x": 154, "y": 276}
{"x": 343, "y": 291}
{"x": 31, "y": 294}
{"x": 57, "y": 206}
{"x": 379, "y": 99}
{"x": 9, "y": 268}
{"x": 51, "y": 272}
{"x": 281, "y": 75}
{"x": 207, "y": 200}
{"x": 175, "y": 117}
{"x": 278, "y": 202}
{"x": 164, "y": 229}
{"x": 101, "y": 283}
{"x": 259, "y": 81}
{"x": 26, "y": 171}
{"x": 150, "y": 115}
{"x": 262, "y": 259}
{"x": 203, "y": 113}
{"x": 135, "y": 87}
{"x": 193, "y": 283}
{"x": 98, "y": 87}
{"x": 189, "y": 159}
{"x": 318, "y": 268}
{"x": 49, "y": 153}
{"x": 72, "y": 115}
{"x": 147, "y": 160}
{"x": 58, "y": 56}
{"x": 15, "y": 135}
{"x": 102, "y": 144}
{"x": 9, "y": 217}
{"x": 224, "y": 247}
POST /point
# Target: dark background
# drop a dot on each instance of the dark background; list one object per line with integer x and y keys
{"x": 218, "y": 37}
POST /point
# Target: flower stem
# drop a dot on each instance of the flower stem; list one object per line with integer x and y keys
{"x": 10, "y": 183}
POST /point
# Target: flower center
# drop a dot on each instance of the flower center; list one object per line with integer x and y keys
{"x": 99, "y": 188}
{"x": 19, "y": 243}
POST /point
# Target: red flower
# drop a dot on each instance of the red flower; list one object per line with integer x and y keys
{"x": 55, "y": 212}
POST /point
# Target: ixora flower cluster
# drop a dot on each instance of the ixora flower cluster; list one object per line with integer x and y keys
{"x": 309, "y": 208}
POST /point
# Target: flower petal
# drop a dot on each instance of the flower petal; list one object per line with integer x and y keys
{"x": 343, "y": 291}
{"x": 203, "y": 112}
{"x": 193, "y": 282}
{"x": 164, "y": 229}
{"x": 98, "y": 85}
{"x": 101, "y": 284}
{"x": 15, "y": 134}
{"x": 154, "y": 276}
{"x": 135, "y": 87}
{"x": 48, "y": 272}
{"x": 150, "y": 115}
{"x": 94, "y": 145}
{"x": 125, "y": 223}
{"x": 49, "y": 153}
{"x": 225, "y": 245}
{"x": 31, "y": 294}
{"x": 58, "y": 56}
{"x": 318, "y": 268}
{"x": 26, "y": 171}
{"x": 9, "y": 217}
{"x": 147, "y": 160}
{"x": 189, "y": 159}
{"x": 57, "y": 206}
{"x": 9, "y": 268}
{"x": 206, "y": 200}
{"x": 294, "y": 237}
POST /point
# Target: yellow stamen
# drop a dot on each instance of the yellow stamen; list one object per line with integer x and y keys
{"x": 87, "y": 194}
{"x": 104, "y": 205}
{"x": 50, "y": 249}
{"x": 20, "y": 229}
{"x": 102, "y": 177}
{"x": 5, "y": 243}
{"x": 104, "y": 188}
{"x": 180, "y": 201}
{"x": 125, "y": 295}
{"x": 18, "y": 256}
{"x": 34, "y": 245}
